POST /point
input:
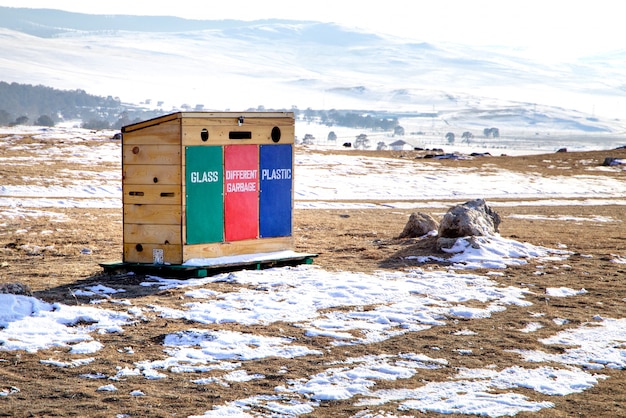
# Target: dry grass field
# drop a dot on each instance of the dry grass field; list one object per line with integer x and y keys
{"x": 46, "y": 252}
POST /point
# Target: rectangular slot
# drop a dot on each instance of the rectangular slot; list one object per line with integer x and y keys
{"x": 154, "y": 194}
{"x": 240, "y": 135}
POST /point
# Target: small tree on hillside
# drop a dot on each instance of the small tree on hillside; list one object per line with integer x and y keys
{"x": 467, "y": 136}
{"x": 450, "y": 138}
{"x": 44, "y": 120}
{"x": 362, "y": 141}
{"x": 308, "y": 139}
{"x": 22, "y": 120}
{"x": 5, "y": 117}
{"x": 491, "y": 132}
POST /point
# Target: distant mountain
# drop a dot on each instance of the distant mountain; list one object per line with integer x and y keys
{"x": 169, "y": 63}
{"x": 48, "y": 23}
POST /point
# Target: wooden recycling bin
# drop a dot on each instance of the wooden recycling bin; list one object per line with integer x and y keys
{"x": 207, "y": 184}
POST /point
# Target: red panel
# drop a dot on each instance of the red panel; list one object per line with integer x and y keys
{"x": 241, "y": 192}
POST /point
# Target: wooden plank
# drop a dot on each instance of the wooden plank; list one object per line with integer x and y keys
{"x": 152, "y": 234}
{"x": 232, "y": 120}
{"x": 219, "y": 129}
{"x": 164, "y": 133}
{"x": 144, "y": 254}
{"x": 153, "y": 214}
{"x": 222, "y": 135}
{"x": 151, "y": 174}
{"x": 151, "y": 122}
{"x": 143, "y": 194}
{"x": 151, "y": 154}
{"x": 190, "y": 116}
{"x": 237, "y": 248}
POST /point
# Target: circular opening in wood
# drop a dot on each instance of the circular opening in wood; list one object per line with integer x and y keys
{"x": 204, "y": 134}
{"x": 275, "y": 134}
{"x": 139, "y": 248}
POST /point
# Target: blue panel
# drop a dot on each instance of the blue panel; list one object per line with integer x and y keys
{"x": 276, "y": 178}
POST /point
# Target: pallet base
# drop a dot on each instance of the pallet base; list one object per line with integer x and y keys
{"x": 211, "y": 266}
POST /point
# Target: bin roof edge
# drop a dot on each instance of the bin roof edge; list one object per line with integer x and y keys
{"x": 181, "y": 115}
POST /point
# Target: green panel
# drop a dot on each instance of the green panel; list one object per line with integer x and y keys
{"x": 204, "y": 197}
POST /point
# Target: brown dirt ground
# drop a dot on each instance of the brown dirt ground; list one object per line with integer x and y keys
{"x": 356, "y": 240}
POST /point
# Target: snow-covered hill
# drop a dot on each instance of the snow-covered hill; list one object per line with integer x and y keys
{"x": 281, "y": 64}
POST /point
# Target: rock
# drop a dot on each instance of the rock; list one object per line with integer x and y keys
{"x": 473, "y": 218}
{"x": 15, "y": 289}
{"x": 610, "y": 162}
{"x": 448, "y": 244}
{"x": 419, "y": 224}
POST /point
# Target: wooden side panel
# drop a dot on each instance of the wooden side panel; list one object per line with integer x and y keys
{"x": 152, "y": 214}
{"x": 151, "y": 154}
{"x": 144, "y": 194}
{"x": 152, "y": 234}
{"x": 134, "y": 253}
{"x": 253, "y": 246}
{"x": 151, "y": 174}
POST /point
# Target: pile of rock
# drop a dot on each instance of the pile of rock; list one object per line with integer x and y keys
{"x": 470, "y": 219}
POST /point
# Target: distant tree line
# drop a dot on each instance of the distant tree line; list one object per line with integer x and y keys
{"x": 25, "y": 104}
{"x": 352, "y": 119}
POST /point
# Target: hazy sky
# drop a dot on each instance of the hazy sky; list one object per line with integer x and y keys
{"x": 550, "y": 28}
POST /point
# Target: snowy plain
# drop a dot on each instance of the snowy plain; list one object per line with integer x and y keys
{"x": 406, "y": 302}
